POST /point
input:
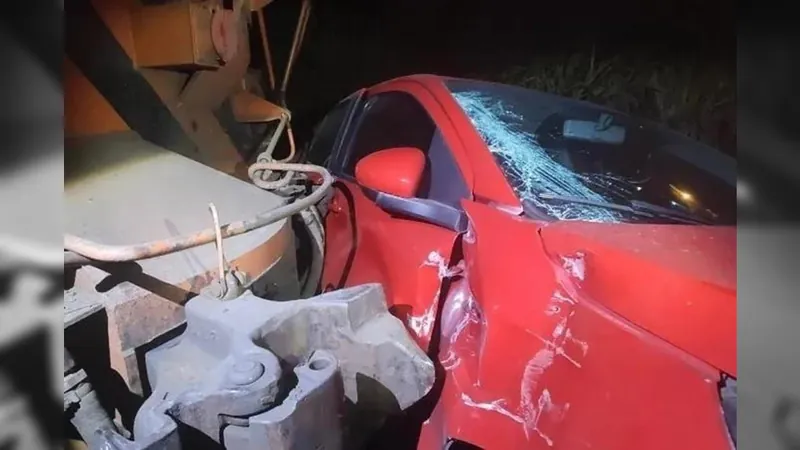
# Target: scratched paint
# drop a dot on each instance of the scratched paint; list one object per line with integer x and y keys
{"x": 544, "y": 405}
{"x": 584, "y": 346}
{"x": 531, "y": 170}
{"x": 560, "y": 297}
{"x": 463, "y": 322}
{"x": 469, "y": 235}
{"x": 459, "y": 311}
{"x": 439, "y": 262}
{"x": 451, "y": 360}
{"x": 560, "y": 302}
{"x": 557, "y": 345}
{"x": 497, "y": 406}
{"x": 552, "y": 310}
{"x": 575, "y": 265}
{"x": 422, "y": 325}
{"x": 533, "y": 406}
{"x": 536, "y": 400}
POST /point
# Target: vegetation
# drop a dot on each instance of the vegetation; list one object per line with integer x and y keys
{"x": 696, "y": 98}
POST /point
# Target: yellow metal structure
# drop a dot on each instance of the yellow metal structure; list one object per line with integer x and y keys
{"x": 193, "y": 56}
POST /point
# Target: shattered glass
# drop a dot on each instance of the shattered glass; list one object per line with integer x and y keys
{"x": 530, "y": 168}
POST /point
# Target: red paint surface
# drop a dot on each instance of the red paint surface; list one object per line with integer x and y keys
{"x": 677, "y": 282}
{"x": 538, "y": 333}
{"x": 396, "y": 171}
{"x": 382, "y": 249}
{"x": 569, "y": 335}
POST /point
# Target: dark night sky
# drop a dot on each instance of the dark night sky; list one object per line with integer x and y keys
{"x": 355, "y": 43}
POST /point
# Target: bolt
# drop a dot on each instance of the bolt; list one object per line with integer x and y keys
{"x": 245, "y": 371}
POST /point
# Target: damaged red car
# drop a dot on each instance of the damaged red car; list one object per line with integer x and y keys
{"x": 572, "y": 269}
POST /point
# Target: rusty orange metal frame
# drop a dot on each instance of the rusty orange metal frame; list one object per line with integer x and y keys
{"x": 160, "y": 38}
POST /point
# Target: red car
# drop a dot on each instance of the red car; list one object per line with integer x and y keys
{"x": 572, "y": 269}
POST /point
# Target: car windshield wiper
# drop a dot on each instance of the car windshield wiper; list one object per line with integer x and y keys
{"x": 636, "y": 207}
{"x": 670, "y": 212}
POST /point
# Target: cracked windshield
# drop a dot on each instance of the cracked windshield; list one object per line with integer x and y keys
{"x": 570, "y": 160}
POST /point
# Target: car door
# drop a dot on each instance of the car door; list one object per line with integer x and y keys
{"x": 366, "y": 243}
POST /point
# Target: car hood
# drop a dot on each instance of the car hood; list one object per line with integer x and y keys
{"x": 677, "y": 282}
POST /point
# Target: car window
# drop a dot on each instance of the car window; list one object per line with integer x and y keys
{"x": 443, "y": 181}
{"x": 397, "y": 119}
{"x": 392, "y": 119}
{"x": 327, "y": 131}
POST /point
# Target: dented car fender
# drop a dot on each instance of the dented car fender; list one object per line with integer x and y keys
{"x": 533, "y": 359}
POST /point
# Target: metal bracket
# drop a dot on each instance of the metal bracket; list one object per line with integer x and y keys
{"x": 226, "y": 376}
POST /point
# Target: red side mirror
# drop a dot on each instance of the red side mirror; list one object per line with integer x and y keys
{"x": 396, "y": 171}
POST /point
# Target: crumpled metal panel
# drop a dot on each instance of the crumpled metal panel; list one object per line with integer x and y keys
{"x": 552, "y": 362}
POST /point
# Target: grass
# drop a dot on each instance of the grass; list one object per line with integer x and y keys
{"x": 696, "y": 98}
